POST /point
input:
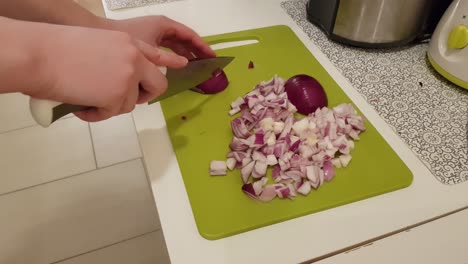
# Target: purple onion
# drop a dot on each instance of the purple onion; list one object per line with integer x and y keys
{"x": 305, "y": 93}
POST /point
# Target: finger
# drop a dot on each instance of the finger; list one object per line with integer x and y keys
{"x": 153, "y": 82}
{"x": 179, "y": 49}
{"x": 130, "y": 100}
{"x": 95, "y": 115}
{"x": 180, "y": 32}
{"x": 161, "y": 57}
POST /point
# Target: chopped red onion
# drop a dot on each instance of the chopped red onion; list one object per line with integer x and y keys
{"x": 237, "y": 155}
{"x": 217, "y": 168}
{"x": 246, "y": 161}
{"x": 259, "y": 139}
{"x": 239, "y": 128}
{"x": 231, "y": 163}
{"x": 295, "y": 146}
{"x": 276, "y": 172}
{"x": 237, "y": 103}
{"x": 287, "y": 126}
{"x": 304, "y": 188}
{"x": 268, "y": 193}
{"x": 259, "y": 156}
{"x": 249, "y": 190}
{"x": 246, "y": 171}
{"x": 271, "y": 160}
{"x": 260, "y": 169}
{"x": 295, "y": 175}
{"x": 257, "y": 186}
{"x": 336, "y": 162}
{"x": 238, "y": 144}
{"x": 234, "y": 111}
{"x": 345, "y": 159}
{"x": 302, "y": 150}
{"x": 328, "y": 171}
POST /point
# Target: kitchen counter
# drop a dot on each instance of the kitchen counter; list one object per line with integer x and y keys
{"x": 349, "y": 225}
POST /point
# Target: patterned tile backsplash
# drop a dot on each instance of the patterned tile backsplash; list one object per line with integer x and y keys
{"x": 429, "y": 113}
{"x": 119, "y": 4}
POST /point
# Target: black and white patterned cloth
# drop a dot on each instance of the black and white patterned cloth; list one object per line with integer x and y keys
{"x": 119, "y": 4}
{"x": 429, "y": 113}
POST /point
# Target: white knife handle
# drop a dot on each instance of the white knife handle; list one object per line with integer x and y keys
{"x": 45, "y": 112}
{"x": 42, "y": 111}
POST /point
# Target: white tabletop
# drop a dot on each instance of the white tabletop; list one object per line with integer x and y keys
{"x": 339, "y": 227}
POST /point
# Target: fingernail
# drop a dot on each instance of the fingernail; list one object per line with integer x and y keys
{"x": 183, "y": 60}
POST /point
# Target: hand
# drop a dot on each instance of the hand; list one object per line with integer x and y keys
{"x": 98, "y": 68}
{"x": 161, "y": 31}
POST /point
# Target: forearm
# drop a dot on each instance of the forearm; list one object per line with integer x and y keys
{"x": 18, "y": 59}
{"x": 65, "y": 12}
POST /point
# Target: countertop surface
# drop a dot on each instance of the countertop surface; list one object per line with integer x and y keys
{"x": 350, "y": 225}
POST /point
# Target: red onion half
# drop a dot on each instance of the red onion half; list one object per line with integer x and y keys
{"x": 305, "y": 93}
{"x": 217, "y": 83}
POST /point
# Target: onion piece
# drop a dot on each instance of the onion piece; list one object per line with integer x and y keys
{"x": 259, "y": 156}
{"x": 246, "y": 160}
{"x": 271, "y": 140}
{"x": 260, "y": 169}
{"x": 217, "y": 168}
{"x": 328, "y": 171}
{"x": 283, "y": 192}
{"x": 304, "y": 188}
{"x": 249, "y": 190}
{"x": 234, "y": 111}
{"x": 217, "y": 83}
{"x": 267, "y": 124}
{"x": 336, "y": 162}
{"x": 246, "y": 171}
{"x": 268, "y": 193}
{"x": 287, "y": 126}
{"x": 231, "y": 163}
{"x": 313, "y": 174}
{"x": 295, "y": 175}
{"x": 301, "y": 126}
{"x": 239, "y": 128}
{"x": 257, "y": 186}
{"x": 237, "y": 155}
{"x": 271, "y": 160}
{"x": 237, "y": 103}
{"x": 345, "y": 159}
{"x": 238, "y": 144}
{"x": 259, "y": 139}
{"x": 292, "y": 190}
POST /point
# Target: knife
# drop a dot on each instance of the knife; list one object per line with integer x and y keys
{"x": 45, "y": 112}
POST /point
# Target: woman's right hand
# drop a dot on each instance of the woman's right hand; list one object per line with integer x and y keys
{"x": 98, "y": 68}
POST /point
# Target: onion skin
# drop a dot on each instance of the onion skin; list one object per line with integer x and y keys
{"x": 305, "y": 93}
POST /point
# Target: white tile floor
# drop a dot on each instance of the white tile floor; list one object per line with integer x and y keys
{"x": 74, "y": 192}
{"x": 115, "y": 140}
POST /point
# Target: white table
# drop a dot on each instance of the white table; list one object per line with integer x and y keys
{"x": 342, "y": 227}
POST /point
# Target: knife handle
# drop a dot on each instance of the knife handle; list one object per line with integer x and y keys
{"x": 45, "y": 112}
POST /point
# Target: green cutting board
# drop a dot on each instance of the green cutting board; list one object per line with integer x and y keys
{"x": 199, "y": 129}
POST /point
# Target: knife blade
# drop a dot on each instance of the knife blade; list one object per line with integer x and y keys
{"x": 193, "y": 74}
{"x": 45, "y": 112}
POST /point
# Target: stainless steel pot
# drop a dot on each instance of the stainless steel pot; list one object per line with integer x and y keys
{"x": 377, "y": 22}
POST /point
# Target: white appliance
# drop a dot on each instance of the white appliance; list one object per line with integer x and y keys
{"x": 448, "y": 51}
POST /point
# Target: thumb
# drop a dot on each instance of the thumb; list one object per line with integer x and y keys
{"x": 161, "y": 57}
